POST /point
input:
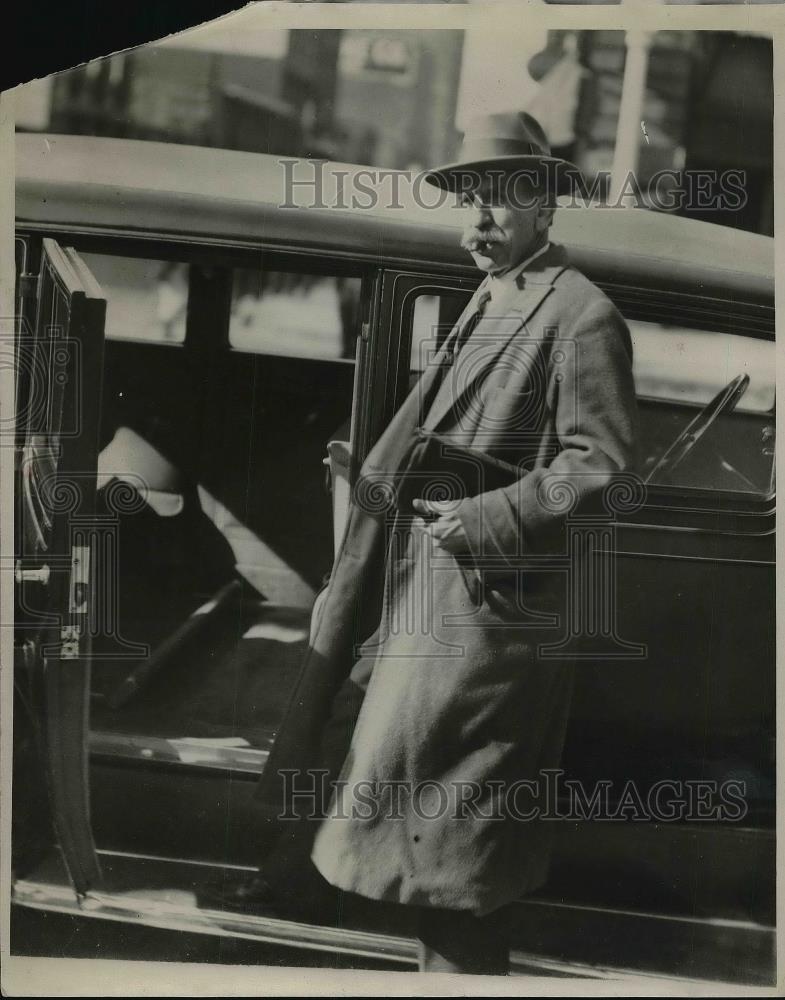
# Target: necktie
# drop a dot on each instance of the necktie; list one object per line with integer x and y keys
{"x": 469, "y": 326}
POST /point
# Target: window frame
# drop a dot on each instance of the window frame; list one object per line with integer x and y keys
{"x": 210, "y": 291}
{"x": 160, "y": 259}
{"x": 701, "y": 515}
{"x": 383, "y": 347}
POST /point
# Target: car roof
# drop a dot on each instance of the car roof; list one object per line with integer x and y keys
{"x": 200, "y": 194}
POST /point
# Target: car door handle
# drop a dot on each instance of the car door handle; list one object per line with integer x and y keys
{"x": 39, "y": 575}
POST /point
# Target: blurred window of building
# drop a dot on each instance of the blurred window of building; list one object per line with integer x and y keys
{"x": 375, "y": 55}
{"x": 146, "y": 299}
{"x": 396, "y": 95}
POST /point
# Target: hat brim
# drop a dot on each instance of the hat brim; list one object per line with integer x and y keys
{"x": 559, "y": 174}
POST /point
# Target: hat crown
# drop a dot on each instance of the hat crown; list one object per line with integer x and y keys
{"x": 506, "y": 141}
{"x": 505, "y": 133}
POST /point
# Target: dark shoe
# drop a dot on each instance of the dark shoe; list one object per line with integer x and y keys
{"x": 254, "y": 894}
{"x": 243, "y": 893}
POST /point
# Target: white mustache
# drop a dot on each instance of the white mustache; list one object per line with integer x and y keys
{"x": 474, "y": 244}
{"x": 478, "y": 242}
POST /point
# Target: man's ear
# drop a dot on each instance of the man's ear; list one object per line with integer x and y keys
{"x": 544, "y": 218}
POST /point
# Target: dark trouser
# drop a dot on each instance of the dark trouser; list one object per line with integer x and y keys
{"x": 287, "y": 864}
{"x": 458, "y": 941}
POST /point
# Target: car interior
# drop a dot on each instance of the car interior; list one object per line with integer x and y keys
{"x": 226, "y": 417}
{"x": 221, "y": 558}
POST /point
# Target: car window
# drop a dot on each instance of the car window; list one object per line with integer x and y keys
{"x": 433, "y": 316}
{"x": 691, "y": 366}
{"x": 146, "y": 299}
{"x": 294, "y": 314}
{"x": 677, "y": 371}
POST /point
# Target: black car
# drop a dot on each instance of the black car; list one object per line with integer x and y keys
{"x": 201, "y": 369}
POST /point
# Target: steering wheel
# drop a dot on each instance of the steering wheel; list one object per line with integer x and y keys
{"x": 724, "y": 402}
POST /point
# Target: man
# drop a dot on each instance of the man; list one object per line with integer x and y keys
{"x": 428, "y": 725}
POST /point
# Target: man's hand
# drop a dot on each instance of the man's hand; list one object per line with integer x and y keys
{"x": 443, "y": 525}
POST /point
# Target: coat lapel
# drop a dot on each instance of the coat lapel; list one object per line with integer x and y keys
{"x": 492, "y": 336}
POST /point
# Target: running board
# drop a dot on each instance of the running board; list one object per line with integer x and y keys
{"x": 174, "y": 916}
{"x": 286, "y": 933}
{"x": 178, "y": 911}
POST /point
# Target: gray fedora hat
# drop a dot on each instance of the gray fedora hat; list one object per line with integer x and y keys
{"x": 510, "y": 141}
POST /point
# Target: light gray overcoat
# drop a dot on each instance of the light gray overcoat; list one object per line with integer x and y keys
{"x": 459, "y": 706}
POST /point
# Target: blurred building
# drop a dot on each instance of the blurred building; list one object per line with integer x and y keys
{"x": 278, "y": 101}
{"x": 378, "y": 97}
{"x": 707, "y": 104}
{"x": 400, "y": 98}
{"x": 397, "y": 96}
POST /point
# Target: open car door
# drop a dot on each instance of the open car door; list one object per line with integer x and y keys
{"x": 58, "y": 360}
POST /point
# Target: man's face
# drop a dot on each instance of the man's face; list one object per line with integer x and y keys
{"x": 504, "y": 224}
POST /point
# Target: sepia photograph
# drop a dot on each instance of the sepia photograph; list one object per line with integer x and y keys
{"x": 388, "y": 490}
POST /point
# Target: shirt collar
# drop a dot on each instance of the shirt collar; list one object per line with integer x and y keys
{"x": 500, "y": 285}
